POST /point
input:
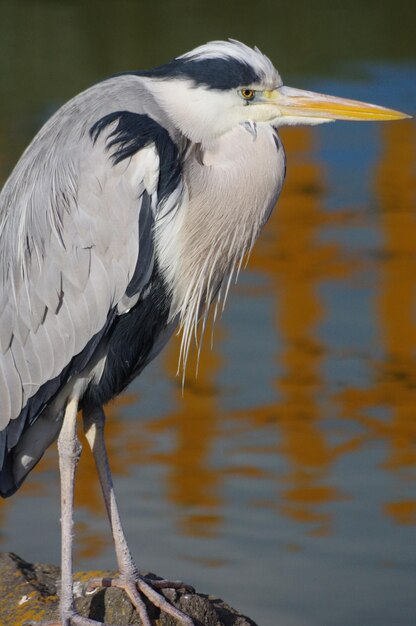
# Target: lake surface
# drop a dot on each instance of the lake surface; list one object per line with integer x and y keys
{"x": 283, "y": 479}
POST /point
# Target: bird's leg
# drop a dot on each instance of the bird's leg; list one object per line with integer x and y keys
{"x": 130, "y": 580}
{"x": 69, "y": 450}
{"x": 94, "y": 433}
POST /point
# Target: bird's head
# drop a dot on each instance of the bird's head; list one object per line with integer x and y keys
{"x": 208, "y": 91}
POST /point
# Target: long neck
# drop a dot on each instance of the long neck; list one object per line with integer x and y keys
{"x": 231, "y": 190}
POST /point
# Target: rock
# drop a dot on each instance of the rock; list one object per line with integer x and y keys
{"x": 29, "y": 592}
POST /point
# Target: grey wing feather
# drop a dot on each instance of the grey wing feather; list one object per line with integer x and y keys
{"x": 69, "y": 245}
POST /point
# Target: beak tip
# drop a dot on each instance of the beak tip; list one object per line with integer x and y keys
{"x": 401, "y": 116}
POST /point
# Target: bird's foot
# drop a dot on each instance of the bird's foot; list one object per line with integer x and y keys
{"x": 148, "y": 587}
{"x": 134, "y": 587}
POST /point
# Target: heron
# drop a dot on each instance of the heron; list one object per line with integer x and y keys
{"x": 125, "y": 219}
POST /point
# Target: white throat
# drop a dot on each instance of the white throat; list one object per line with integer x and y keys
{"x": 230, "y": 191}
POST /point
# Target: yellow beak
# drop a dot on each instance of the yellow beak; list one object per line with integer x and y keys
{"x": 298, "y": 105}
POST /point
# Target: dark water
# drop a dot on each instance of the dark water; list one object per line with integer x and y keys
{"x": 284, "y": 480}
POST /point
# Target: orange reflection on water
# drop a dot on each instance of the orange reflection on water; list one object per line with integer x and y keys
{"x": 394, "y": 383}
{"x": 296, "y": 263}
{"x": 192, "y": 479}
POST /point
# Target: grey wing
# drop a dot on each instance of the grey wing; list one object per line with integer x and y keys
{"x": 69, "y": 246}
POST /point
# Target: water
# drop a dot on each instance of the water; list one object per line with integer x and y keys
{"x": 284, "y": 480}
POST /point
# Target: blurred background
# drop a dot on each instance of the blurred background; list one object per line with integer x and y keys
{"x": 284, "y": 479}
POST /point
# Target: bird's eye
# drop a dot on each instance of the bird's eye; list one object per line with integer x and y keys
{"x": 248, "y": 94}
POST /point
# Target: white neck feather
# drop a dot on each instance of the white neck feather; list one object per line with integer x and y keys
{"x": 230, "y": 191}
